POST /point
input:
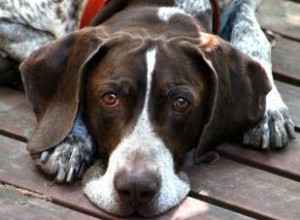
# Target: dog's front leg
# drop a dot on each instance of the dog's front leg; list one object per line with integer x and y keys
{"x": 70, "y": 158}
{"x": 19, "y": 41}
{"x": 243, "y": 31}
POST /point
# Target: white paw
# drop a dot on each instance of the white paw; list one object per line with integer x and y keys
{"x": 275, "y": 130}
{"x": 67, "y": 160}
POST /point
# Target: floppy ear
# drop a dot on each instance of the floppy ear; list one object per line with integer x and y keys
{"x": 238, "y": 86}
{"x": 52, "y": 78}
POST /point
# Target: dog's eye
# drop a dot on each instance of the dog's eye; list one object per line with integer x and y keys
{"x": 110, "y": 99}
{"x": 181, "y": 104}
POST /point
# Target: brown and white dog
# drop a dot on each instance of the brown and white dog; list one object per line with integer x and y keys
{"x": 141, "y": 89}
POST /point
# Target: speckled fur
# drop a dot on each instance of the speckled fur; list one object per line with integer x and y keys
{"x": 56, "y": 17}
{"x": 26, "y": 25}
{"x": 16, "y": 40}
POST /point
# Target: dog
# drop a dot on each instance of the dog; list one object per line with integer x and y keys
{"x": 140, "y": 89}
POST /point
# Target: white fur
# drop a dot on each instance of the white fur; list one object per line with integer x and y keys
{"x": 165, "y": 13}
{"x": 150, "y": 147}
{"x": 193, "y": 7}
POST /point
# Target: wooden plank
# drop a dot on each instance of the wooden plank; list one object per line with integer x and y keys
{"x": 15, "y": 206}
{"x": 16, "y": 168}
{"x": 10, "y": 98}
{"x": 291, "y": 96}
{"x": 281, "y": 17}
{"x": 261, "y": 194}
{"x": 17, "y": 122}
{"x": 284, "y": 162}
{"x": 16, "y": 117}
{"x": 285, "y": 59}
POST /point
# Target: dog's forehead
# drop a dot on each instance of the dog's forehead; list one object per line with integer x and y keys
{"x": 126, "y": 63}
{"x": 175, "y": 65}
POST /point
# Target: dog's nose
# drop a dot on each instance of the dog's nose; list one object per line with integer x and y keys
{"x": 137, "y": 189}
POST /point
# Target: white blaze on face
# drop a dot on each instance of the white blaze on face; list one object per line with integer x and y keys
{"x": 141, "y": 142}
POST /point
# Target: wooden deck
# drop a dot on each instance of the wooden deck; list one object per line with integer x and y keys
{"x": 242, "y": 184}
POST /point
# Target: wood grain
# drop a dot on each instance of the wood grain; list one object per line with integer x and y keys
{"x": 291, "y": 96}
{"x": 15, "y": 205}
{"x": 285, "y": 59}
{"x": 16, "y": 117}
{"x": 283, "y": 162}
{"x": 280, "y": 16}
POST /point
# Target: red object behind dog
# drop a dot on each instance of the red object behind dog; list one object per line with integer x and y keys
{"x": 92, "y": 7}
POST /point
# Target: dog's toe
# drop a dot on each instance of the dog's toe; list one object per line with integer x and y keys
{"x": 259, "y": 136}
{"x": 290, "y": 128}
{"x": 274, "y": 131}
{"x": 67, "y": 160}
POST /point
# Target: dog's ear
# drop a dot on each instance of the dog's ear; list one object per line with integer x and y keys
{"x": 238, "y": 86}
{"x": 52, "y": 79}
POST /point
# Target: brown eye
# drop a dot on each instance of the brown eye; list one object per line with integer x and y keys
{"x": 110, "y": 99}
{"x": 181, "y": 104}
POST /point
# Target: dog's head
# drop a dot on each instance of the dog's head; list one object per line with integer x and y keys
{"x": 147, "y": 102}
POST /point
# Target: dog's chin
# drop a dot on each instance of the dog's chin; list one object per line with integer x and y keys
{"x": 100, "y": 192}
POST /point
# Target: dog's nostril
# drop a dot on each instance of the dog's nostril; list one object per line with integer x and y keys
{"x": 147, "y": 194}
{"x": 137, "y": 189}
{"x": 125, "y": 193}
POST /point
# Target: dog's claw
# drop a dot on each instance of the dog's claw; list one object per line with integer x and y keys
{"x": 70, "y": 174}
{"x": 44, "y": 156}
{"x": 61, "y": 175}
{"x": 289, "y": 126}
{"x": 81, "y": 170}
{"x": 265, "y": 142}
{"x": 258, "y": 137}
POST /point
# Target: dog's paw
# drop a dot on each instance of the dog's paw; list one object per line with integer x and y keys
{"x": 274, "y": 131}
{"x": 67, "y": 160}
